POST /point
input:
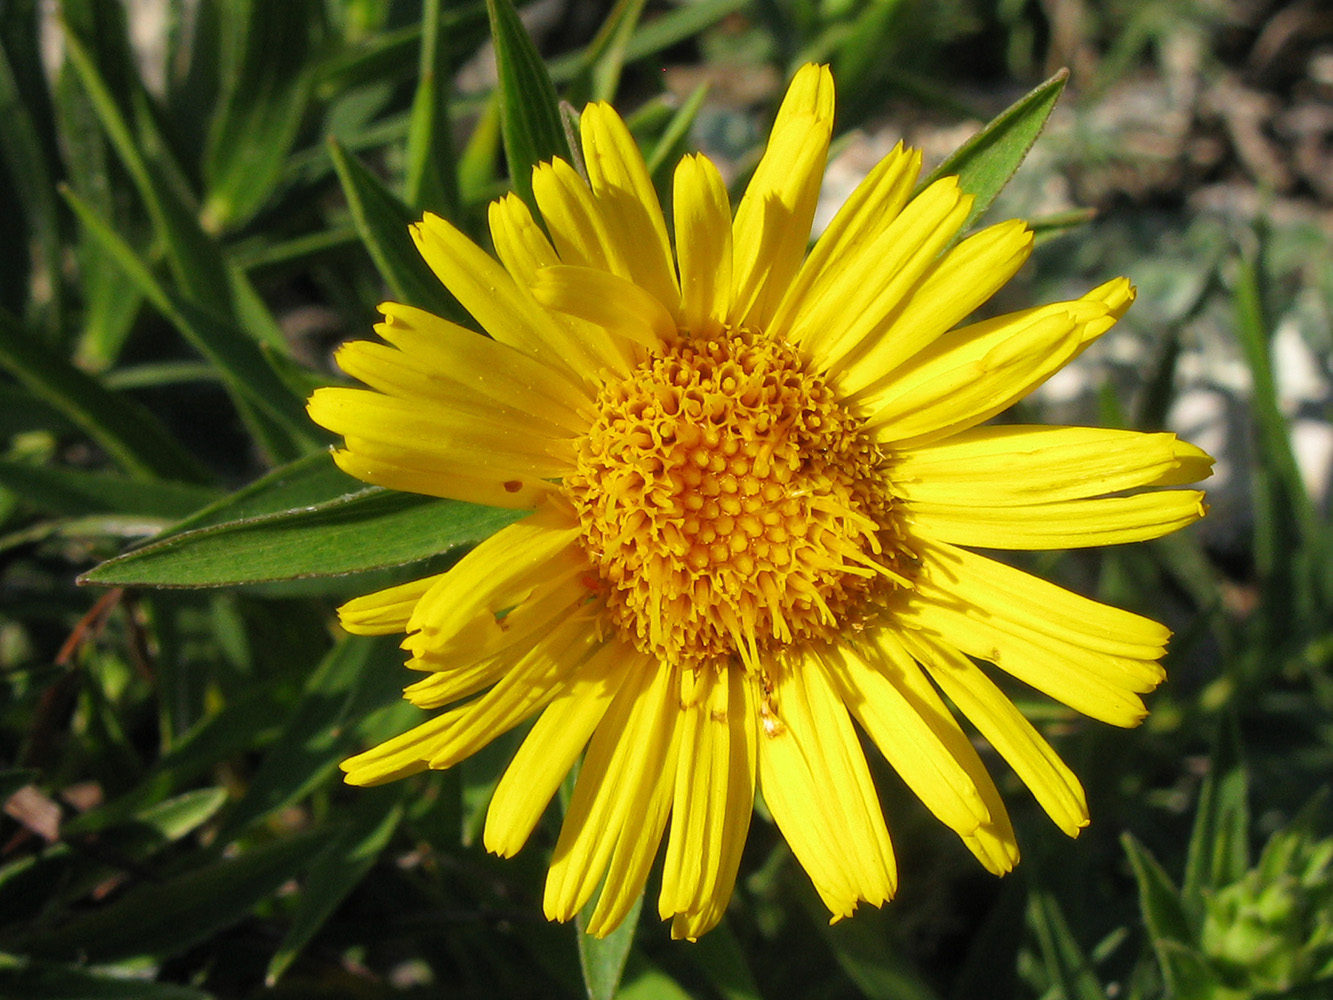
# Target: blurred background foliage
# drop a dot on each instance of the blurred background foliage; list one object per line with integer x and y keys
{"x": 201, "y": 199}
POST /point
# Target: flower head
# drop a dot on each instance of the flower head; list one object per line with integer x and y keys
{"x": 754, "y": 475}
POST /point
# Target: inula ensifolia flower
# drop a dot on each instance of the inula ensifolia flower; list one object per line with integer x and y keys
{"x": 753, "y": 476}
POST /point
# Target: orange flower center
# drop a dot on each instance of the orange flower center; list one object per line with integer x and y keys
{"x": 731, "y": 506}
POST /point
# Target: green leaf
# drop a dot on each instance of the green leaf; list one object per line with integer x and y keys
{"x": 75, "y": 493}
{"x": 304, "y": 483}
{"x": 603, "y": 959}
{"x": 383, "y": 222}
{"x": 604, "y": 57}
{"x": 131, "y": 435}
{"x": 529, "y": 110}
{"x": 372, "y": 529}
{"x": 343, "y": 687}
{"x": 196, "y": 261}
{"x": 31, "y": 176}
{"x": 1067, "y": 966}
{"x": 985, "y": 163}
{"x": 431, "y": 182}
{"x": 338, "y": 869}
{"x": 33, "y": 980}
{"x": 250, "y": 380}
{"x": 165, "y": 918}
{"x": 266, "y": 86}
{"x": 1219, "y": 848}
{"x": 1163, "y": 911}
{"x": 670, "y": 146}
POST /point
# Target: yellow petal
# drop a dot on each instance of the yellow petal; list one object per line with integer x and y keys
{"x": 554, "y": 744}
{"x": 486, "y": 290}
{"x": 630, "y": 761}
{"x": 992, "y": 842}
{"x": 772, "y": 224}
{"x": 841, "y": 311}
{"x": 703, "y": 242}
{"x": 483, "y": 366}
{"x": 628, "y": 201}
{"x": 714, "y": 799}
{"x": 910, "y": 733}
{"x": 819, "y": 791}
{"x": 870, "y": 210}
{"x": 498, "y": 574}
{"x": 385, "y": 611}
{"x": 614, "y": 304}
{"x": 1019, "y": 464}
{"x": 440, "y": 476}
{"x": 969, "y": 376}
{"x": 967, "y": 276}
{"x": 1065, "y": 524}
{"x": 1013, "y": 737}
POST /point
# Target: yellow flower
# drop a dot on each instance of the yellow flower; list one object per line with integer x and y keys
{"x": 752, "y": 476}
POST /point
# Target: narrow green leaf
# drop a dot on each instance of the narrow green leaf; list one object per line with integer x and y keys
{"x": 372, "y": 529}
{"x": 431, "y": 182}
{"x": 131, "y": 435}
{"x": 529, "y": 110}
{"x": 75, "y": 493}
{"x": 266, "y": 86}
{"x": 604, "y": 57}
{"x": 29, "y": 172}
{"x": 985, "y": 163}
{"x": 1219, "y": 848}
{"x": 250, "y": 380}
{"x": 343, "y": 687}
{"x": 34, "y": 980}
{"x": 303, "y": 483}
{"x": 338, "y": 869}
{"x": 196, "y": 261}
{"x": 670, "y": 145}
{"x": 383, "y": 222}
{"x": 1159, "y": 901}
{"x": 165, "y": 918}
{"x": 1068, "y": 968}
{"x": 603, "y": 959}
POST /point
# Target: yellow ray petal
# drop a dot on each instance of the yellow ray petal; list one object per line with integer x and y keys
{"x": 616, "y": 305}
{"x": 872, "y": 207}
{"x": 1084, "y": 683}
{"x": 524, "y": 250}
{"x": 628, "y": 201}
{"x": 448, "y": 738}
{"x": 992, "y": 842}
{"x": 1013, "y": 737}
{"x": 714, "y": 799}
{"x": 1022, "y": 464}
{"x": 966, "y": 277}
{"x": 630, "y": 755}
{"x": 497, "y": 575}
{"x": 772, "y": 224}
{"x": 385, "y": 611}
{"x": 1065, "y": 524}
{"x": 964, "y": 379}
{"x": 439, "y": 476}
{"x": 481, "y": 365}
{"x": 908, "y": 734}
{"x": 1027, "y": 603}
{"x": 819, "y": 791}
{"x": 703, "y": 244}
{"x": 840, "y": 312}
{"x": 397, "y": 430}
{"x": 486, "y": 290}
{"x": 554, "y": 744}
